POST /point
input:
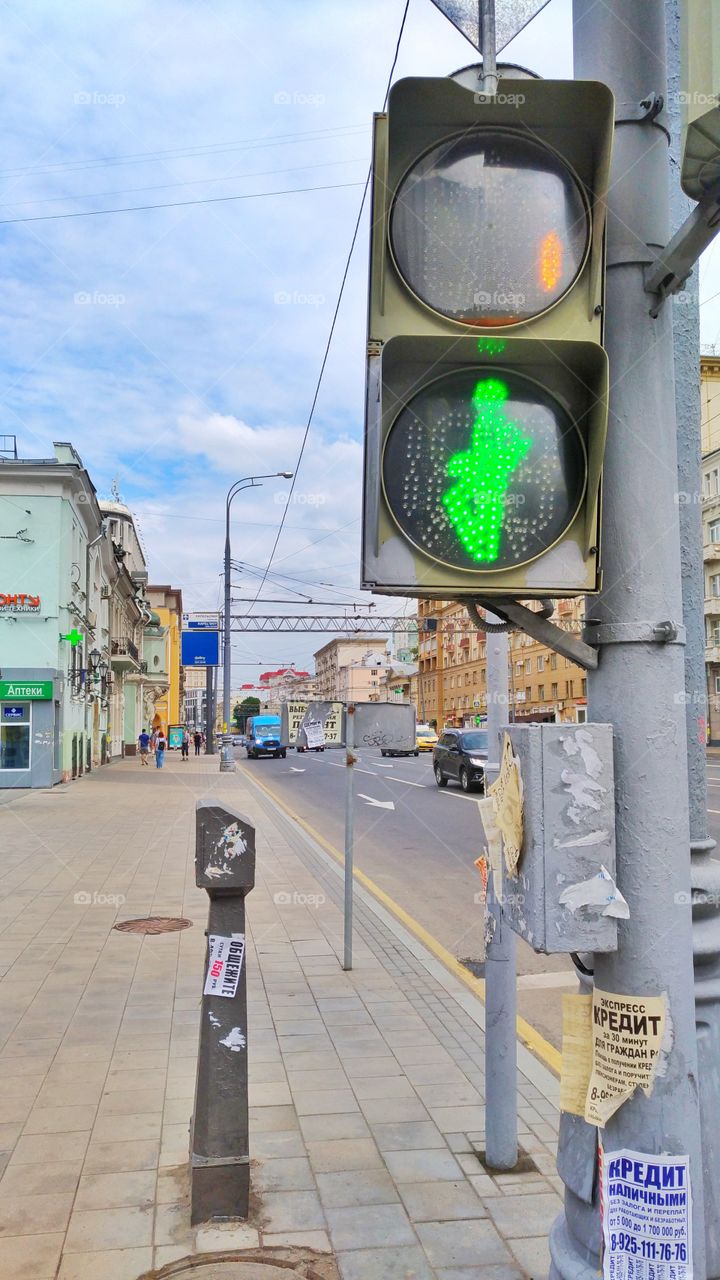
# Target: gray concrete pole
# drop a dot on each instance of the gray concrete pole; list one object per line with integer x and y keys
{"x": 637, "y": 682}
{"x": 705, "y": 869}
{"x": 501, "y": 1136}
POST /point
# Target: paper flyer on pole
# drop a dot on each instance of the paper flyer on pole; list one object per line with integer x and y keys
{"x": 647, "y": 1216}
{"x": 627, "y": 1038}
{"x": 224, "y": 965}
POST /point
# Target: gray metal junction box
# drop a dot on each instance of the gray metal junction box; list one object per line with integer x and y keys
{"x": 569, "y": 837}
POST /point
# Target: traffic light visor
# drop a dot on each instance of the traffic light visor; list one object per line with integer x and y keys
{"x": 490, "y": 227}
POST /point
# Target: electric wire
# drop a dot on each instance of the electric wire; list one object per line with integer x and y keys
{"x": 333, "y": 322}
{"x": 168, "y": 186}
{"x": 174, "y": 204}
{"x": 186, "y": 153}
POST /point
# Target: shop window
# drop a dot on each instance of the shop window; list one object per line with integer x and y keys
{"x": 14, "y": 735}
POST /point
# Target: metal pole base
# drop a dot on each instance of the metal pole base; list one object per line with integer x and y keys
{"x": 570, "y": 1260}
{"x": 227, "y": 759}
{"x": 218, "y": 1191}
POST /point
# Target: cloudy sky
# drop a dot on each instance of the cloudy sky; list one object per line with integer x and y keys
{"x": 178, "y": 348}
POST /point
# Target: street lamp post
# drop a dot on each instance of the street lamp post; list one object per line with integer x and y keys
{"x": 227, "y": 760}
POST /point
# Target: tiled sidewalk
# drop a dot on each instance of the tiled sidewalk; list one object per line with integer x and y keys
{"x": 366, "y": 1087}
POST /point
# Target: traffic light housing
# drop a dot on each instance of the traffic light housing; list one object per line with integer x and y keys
{"x": 487, "y": 380}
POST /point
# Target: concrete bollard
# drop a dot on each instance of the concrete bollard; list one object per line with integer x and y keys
{"x": 219, "y": 1147}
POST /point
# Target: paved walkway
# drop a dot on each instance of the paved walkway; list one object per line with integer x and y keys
{"x": 366, "y": 1088}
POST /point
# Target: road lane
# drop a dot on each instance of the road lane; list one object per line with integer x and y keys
{"x": 421, "y": 852}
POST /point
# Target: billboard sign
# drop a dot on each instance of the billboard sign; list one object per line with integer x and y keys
{"x": 200, "y": 648}
{"x": 324, "y": 719}
{"x": 201, "y": 621}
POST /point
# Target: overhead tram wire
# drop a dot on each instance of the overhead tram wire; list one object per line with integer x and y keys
{"x": 175, "y": 204}
{"x": 333, "y": 322}
{"x": 168, "y": 186}
{"x": 200, "y": 151}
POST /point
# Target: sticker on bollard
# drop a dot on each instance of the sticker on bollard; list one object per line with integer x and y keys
{"x": 225, "y": 957}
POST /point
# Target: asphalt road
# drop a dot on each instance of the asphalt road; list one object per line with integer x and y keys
{"x": 418, "y": 843}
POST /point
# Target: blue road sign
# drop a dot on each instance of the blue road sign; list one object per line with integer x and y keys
{"x": 200, "y": 648}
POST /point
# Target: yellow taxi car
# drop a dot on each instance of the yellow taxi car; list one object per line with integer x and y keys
{"x": 425, "y": 737}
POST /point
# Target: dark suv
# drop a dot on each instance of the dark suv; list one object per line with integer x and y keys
{"x": 461, "y": 754}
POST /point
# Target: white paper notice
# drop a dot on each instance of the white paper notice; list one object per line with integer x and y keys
{"x": 224, "y": 964}
{"x": 647, "y": 1217}
{"x": 315, "y": 733}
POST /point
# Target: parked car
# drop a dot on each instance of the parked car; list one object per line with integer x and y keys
{"x": 461, "y": 754}
{"x": 388, "y": 752}
{"x": 239, "y": 740}
{"x": 425, "y": 737}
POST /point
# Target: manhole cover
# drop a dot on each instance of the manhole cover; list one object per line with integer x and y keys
{"x": 229, "y": 1267}
{"x": 153, "y": 924}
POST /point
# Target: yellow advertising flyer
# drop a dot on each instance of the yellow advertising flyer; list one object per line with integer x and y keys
{"x": 506, "y": 791}
{"x": 576, "y": 1053}
{"x": 627, "y": 1035}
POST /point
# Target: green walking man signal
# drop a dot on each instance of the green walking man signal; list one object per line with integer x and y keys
{"x": 476, "y": 504}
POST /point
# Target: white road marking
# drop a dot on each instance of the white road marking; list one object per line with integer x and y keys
{"x": 294, "y": 770}
{"x": 408, "y": 784}
{"x": 382, "y": 764}
{"x": 356, "y": 767}
{"x": 376, "y": 804}
{"x": 459, "y": 795}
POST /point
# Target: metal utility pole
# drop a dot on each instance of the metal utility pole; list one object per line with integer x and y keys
{"x": 705, "y": 869}
{"x": 227, "y": 760}
{"x": 210, "y": 711}
{"x": 636, "y": 620}
{"x": 501, "y": 1137}
{"x": 349, "y": 833}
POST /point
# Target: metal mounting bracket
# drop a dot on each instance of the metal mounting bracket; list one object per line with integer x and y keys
{"x": 666, "y": 632}
{"x": 538, "y": 626}
{"x": 648, "y": 108}
{"x": 675, "y": 262}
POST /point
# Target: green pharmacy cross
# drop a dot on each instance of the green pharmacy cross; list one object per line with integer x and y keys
{"x": 73, "y": 636}
{"x": 476, "y": 503}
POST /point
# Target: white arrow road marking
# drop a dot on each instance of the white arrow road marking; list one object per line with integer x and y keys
{"x": 294, "y": 770}
{"x": 383, "y": 764}
{"x": 377, "y": 804}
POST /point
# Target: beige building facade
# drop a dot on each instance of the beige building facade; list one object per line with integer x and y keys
{"x": 452, "y": 670}
{"x": 342, "y": 672}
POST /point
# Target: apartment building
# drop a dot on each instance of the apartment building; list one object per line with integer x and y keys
{"x": 452, "y": 670}
{"x": 341, "y": 672}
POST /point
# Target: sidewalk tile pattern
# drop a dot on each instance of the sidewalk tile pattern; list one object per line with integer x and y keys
{"x": 366, "y": 1088}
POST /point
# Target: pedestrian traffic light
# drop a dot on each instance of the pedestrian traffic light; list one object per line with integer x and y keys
{"x": 487, "y": 380}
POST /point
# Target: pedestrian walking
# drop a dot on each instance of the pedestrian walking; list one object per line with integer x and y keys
{"x": 197, "y": 740}
{"x": 160, "y": 745}
{"x": 144, "y": 745}
{"x": 185, "y": 745}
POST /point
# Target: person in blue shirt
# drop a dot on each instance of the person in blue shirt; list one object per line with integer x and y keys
{"x": 144, "y": 745}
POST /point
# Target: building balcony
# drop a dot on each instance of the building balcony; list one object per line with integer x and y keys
{"x": 711, "y": 552}
{"x": 711, "y": 606}
{"x": 124, "y": 655}
{"x": 712, "y": 653}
